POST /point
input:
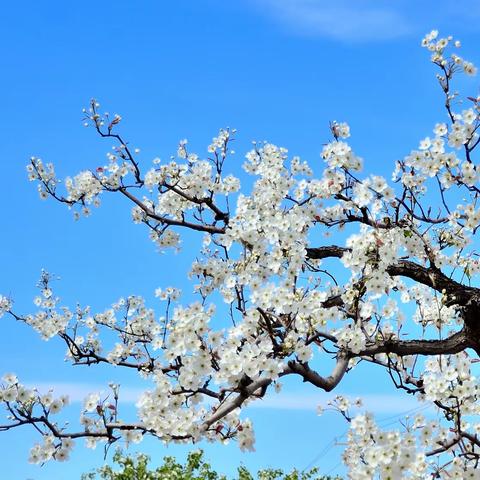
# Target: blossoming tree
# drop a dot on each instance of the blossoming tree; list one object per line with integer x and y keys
{"x": 405, "y": 302}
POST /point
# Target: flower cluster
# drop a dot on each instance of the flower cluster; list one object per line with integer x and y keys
{"x": 22, "y": 403}
{"x": 437, "y": 46}
{"x": 394, "y": 286}
{"x": 5, "y": 305}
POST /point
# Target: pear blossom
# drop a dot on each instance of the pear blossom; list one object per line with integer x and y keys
{"x": 302, "y": 265}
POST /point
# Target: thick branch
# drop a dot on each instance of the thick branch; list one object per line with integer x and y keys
{"x": 434, "y": 278}
{"x": 319, "y": 253}
{"x": 236, "y": 402}
{"x": 456, "y": 343}
{"x": 311, "y": 376}
{"x": 431, "y": 276}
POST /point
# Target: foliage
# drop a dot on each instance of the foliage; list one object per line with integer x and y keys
{"x": 195, "y": 468}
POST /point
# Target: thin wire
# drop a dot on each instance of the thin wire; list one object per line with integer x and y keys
{"x": 325, "y": 450}
{"x": 406, "y": 412}
{"x": 334, "y": 468}
{"x": 332, "y": 443}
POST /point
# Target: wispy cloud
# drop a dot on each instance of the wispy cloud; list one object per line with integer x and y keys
{"x": 78, "y": 391}
{"x": 348, "y": 20}
{"x": 376, "y": 403}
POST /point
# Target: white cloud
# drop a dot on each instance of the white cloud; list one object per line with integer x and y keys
{"x": 78, "y": 391}
{"x": 376, "y": 403}
{"x": 354, "y": 20}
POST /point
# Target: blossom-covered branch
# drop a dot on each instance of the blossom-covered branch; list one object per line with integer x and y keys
{"x": 394, "y": 286}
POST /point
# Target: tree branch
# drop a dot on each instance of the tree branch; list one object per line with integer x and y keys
{"x": 169, "y": 221}
{"x": 431, "y": 276}
{"x": 311, "y": 376}
{"x": 456, "y": 343}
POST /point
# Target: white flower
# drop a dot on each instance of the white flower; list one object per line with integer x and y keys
{"x": 5, "y": 305}
{"x": 91, "y": 401}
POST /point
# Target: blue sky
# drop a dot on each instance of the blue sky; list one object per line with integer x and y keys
{"x": 274, "y": 69}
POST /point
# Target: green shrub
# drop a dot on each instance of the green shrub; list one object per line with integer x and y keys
{"x": 195, "y": 468}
